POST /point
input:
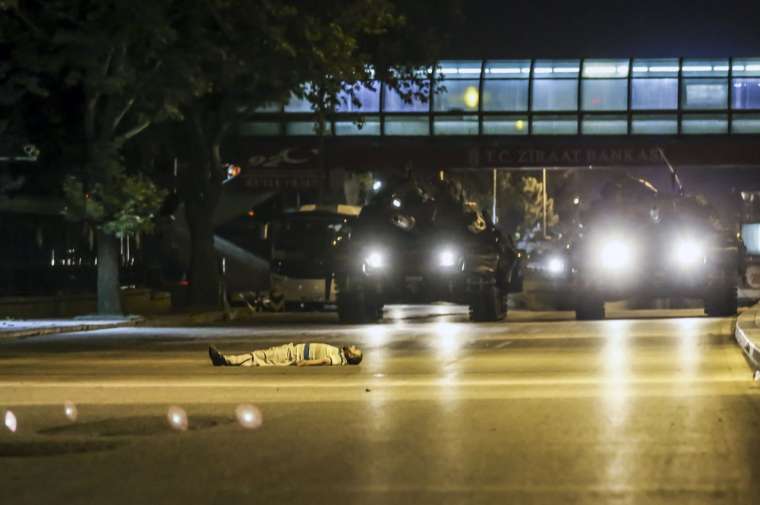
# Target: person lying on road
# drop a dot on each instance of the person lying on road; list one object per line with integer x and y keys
{"x": 308, "y": 354}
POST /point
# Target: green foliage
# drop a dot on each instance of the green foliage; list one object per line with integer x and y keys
{"x": 94, "y": 71}
{"x": 125, "y": 206}
{"x": 519, "y": 200}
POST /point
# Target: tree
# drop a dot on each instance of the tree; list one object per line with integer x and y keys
{"x": 238, "y": 56}
{"x": 96, "y": 67}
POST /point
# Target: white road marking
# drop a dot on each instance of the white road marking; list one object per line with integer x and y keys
{"x": 339, "y": 384}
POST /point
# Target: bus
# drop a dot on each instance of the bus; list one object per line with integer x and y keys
{"x": 303, "y": 242}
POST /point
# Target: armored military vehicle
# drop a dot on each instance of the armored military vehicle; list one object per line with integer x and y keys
{"x": 637, "y": 242}
{"x": 420, "y": 244}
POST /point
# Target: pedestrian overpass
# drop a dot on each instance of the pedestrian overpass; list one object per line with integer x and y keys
{"x": 525, "y": 114}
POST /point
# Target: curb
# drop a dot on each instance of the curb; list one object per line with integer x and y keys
{"x": 158, "y": 321}
{"x": 51, "y": 330}
{"x": 746, "y": 325}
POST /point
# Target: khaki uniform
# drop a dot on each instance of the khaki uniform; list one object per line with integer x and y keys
{"x": 288, "y": 354}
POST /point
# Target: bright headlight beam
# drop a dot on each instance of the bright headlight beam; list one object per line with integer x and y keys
{"x": 616, "y": 254}
{"x": 375, "y": 260}
{"x": 555, "y": 265}
{"x": 688, "y": 253}
{"x": 447, "y": 258}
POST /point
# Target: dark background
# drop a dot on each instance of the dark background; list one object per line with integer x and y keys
{"x": 614, "y": 28}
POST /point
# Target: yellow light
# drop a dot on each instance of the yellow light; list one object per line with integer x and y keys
{"x": 471, "y": 97}
{"x": 520, "y": 125}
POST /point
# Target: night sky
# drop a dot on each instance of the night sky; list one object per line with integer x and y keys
{"x": 615, "y": 28}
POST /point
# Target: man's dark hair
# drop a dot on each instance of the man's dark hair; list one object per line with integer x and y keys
{"x": 353, "y": 359}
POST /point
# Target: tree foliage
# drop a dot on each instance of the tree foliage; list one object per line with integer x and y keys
{"x": 96, "y": 67}
{"x": 519, "y": 200}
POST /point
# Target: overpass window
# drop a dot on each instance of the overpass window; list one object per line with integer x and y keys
{"x": 369, "y": 98}
{"x": 555, "y": 85}
{"x": 746, "y": 93}
{"x": 505, "y": 85}
{"x": 460, "y": 96}
{"x": 296, "y": 104}
{"x": 271, "y": 108}
{"x": 604, "y": 125}
{"x": 456, "y": 125}
{"x": 705, "y": 68}
{"x": 460, "y": 86}
{"x": 745, "y": 123}
{"x": 505, "y": 95}
{"x": 259, "y": 128}
{"x": 654, "y": 124}
{"x": 654, "y": 84}
{"x": 654, "y": 94}
{"x": 395, "y": 100}
{"x": 704, "y": 84}
{"x": 704, "y": 94}
{"x": 605, "y": 94}
{"x": 370, "y": 126}
{"x": 303, "y": 128}
{"x": 407, "y": 125}
{"x": 746, "y": 67}
{"x": 701, "y": 124}
{"x": 605, "y": 85}
{"x": 555, "y": 125}
{"x": 505, "y": 125}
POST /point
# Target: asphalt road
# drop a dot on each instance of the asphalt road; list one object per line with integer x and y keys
{"x": 648, "y": 407}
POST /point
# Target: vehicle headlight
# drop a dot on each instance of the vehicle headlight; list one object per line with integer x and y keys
{"x": 375, "y": 260}
{"x": 616, "y": 254}
{"x": 447, "y": 258}
{"x": 689, "y": 253}
{"x": 555, "y": 265}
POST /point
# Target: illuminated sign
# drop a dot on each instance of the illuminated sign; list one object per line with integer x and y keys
{"x": 564, "y": 156}
{"x": 291, "y": 168}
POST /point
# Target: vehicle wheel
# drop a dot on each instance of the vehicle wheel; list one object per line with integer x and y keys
{"x": 490, "y": 305}
{"x": 722, "y": 302}
{"x": 589, "y": 309}
{"x": 353, "y": 308}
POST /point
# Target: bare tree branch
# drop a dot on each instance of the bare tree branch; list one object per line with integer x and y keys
{"x": 120, "y": 115}
{"x": 134, "y": 131}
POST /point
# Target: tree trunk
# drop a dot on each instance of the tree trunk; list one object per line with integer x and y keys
{"x": 204, "y": 269}
{"x": 109, "y": 293}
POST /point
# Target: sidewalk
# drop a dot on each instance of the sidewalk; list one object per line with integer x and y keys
{"x": 24, "y": 328}
{"x": 747, "y": 334}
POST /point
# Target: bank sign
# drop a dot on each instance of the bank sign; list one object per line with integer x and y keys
{"x": 571, "y": 156}
{"x": 291, "y": 168}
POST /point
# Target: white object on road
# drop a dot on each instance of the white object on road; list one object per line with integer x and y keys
{"x": 177, "y": 418}
{"x": 10, "y": 421}
{"x": 249, "y": 416}
{"x": 756, "y": 377}
{"x": 71, "y": 411}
